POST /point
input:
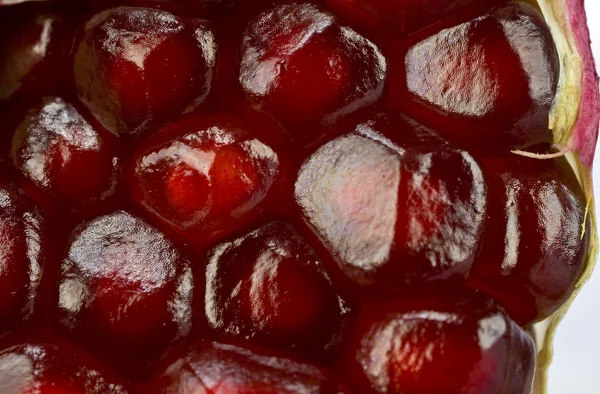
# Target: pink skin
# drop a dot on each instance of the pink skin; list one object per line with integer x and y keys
{"x": 585, "y": 134}
{"x": 386, "y": 202}
{"x": 47, "y": 369}
{"x": 310, "y": 59}
{"x": 67, "y": 163}
{"x": 207, "y": 176}
{"x": 159, "y": 68}
{"x": 213, "y": 368}
{"x": 110, "y": 298}
{"x": 23, "y": 254}
{"x": 411, "y": 345}
{"x": 269, "y": 287}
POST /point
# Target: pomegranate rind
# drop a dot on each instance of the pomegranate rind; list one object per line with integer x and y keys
{"x": 575, "y": 120}
{"x": 576, "y": 112}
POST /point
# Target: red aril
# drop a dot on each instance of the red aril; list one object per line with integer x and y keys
{"x": 394, "y": 203}
{"x": 138, "y": 68}
{"x": 34, "y": 52}
{"x": 300, "y": 157}
{"x": 269, "y": 287}
{"x": 24, "y": 247}
{"x": 401, "y": 18}
{"x": 202, "y": 8}
{"x": 37, "y": 368}
{"x": 207, "y": 175}
{"x": 536, "y": 236}
{"x": 445, "y": 340}
{"x": 214, "y": 368}
{"x": 125, "y": 290}
{"x": 303, "y": 67}
{"x": 67, "y": 163}
{"x": 487, "y": 84}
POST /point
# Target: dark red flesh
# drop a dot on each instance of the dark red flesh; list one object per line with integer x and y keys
{"x": 113, "y": 301}
{"x": 223, "y": 196}
{"x": 39, "y": 368}
{"x": 207, "y": 176}
{"x": 34, "y": 53}
{"x": 302, "y": 66}
{"x": 394, "y": 203}
{"x": 536, "y": 237}
{"x": 138, "y": 68}
{"x": 194, "y": 8}
{"x": 488, "y": 83}
{"x": 445, "y": 340}
{"x": 216, "y": 368}
{"x": 397, "y": 19}
{"x": 65, "y": 161}
{"x": 270, "y": 287}
{"x": 23, "y": 255}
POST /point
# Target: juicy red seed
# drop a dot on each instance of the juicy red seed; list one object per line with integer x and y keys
{"x": 304, "y": 68}
{"x": 443, "y": 341}
{"x": 488, "y": 83}
{"x": 125, "y": 290}
{"x": 67, "y": 162}
{"x": 270, "y": 287}
{"x": 34, "y": 52}
{"x": 206, "y": 176}
{"x": 214, "y": 368}
{"x": 138, "y": 68}
{"x": 46, "y": 369}
{"x": 24, "y": 245}
{"x": 396, "y": 207}
{"x": 203, "y": 8}
{"x": 536, "y": 238}
{"x": 401, "y": 18}
{"x": 394, "y": 203}
{"x": 187, "y": 190}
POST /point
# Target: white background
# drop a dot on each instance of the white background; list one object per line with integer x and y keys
{"x": 576, "y": 367}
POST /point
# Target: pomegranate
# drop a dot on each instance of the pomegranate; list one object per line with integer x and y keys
{"x": 288, "y": 196}
{"x": 44, "y": 368}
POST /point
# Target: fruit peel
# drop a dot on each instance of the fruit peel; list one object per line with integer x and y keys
{"x": 585, "y": 132}
{"x": 575, "y": 120}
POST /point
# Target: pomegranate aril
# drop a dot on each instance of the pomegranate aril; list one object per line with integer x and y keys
{"x": 34, "y": 52}
{"x": 270, "y": 287}
{"x": 442, "y": 340}
{"x": 207, "y": 175}
{"x": 394, "y": 203}
{"x": 303, "y": 67}
{"x": 35, "y": 368}
{"x": 395, "y": 208}
{"x": 125, "y": 290}
{"x": 23, "y": 250}
{"x": 203, "y": 8}
{"x": 488, "y": 83}
{"x": 536, "y": 238}
{"x": 400, "y": 18}
{"x": 67, "y": 163}
{"x": 139, "y": 68}
{"x": 214, "y": 368}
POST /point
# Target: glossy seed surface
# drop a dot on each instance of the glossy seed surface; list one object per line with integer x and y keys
{"x": 282, "y": 197}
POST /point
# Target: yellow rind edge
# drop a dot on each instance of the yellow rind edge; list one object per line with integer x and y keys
{"x": 563, "y": 118}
